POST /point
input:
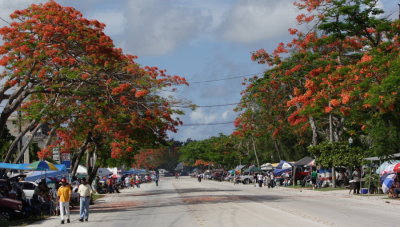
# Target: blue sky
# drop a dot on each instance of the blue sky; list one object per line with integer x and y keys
{"x": 197, "y": 39}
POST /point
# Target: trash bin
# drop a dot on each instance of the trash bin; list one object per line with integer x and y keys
{"x": 364, "y": 190}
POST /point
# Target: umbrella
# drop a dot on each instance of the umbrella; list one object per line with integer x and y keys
{"x": 42, "y": 165}
{"x": 393, "y": 168}
{"x": 231, "y": 171}
{"x": 385, "y": 165}
{"x": 388, "y": 182}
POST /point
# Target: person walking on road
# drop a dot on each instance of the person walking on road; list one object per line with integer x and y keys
{"x": 357, "y": 181}
{"x": 157, "y": 177}
{"x": 260, "y": 180}
{"x": 64, "y": 196}
{"x": 85, "y": 191}
{"x": 314, "y": 176}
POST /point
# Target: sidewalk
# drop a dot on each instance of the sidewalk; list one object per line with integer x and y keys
{"x": 343, "y": 194}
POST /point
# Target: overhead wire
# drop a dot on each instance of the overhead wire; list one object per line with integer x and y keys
{"x": 226, "y": 78}
{"x": 217, "y": 123}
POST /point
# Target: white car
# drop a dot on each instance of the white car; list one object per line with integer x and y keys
{"x": 28, "y": 188}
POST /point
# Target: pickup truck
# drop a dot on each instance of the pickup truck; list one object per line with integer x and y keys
{"x": 246, "y": 178}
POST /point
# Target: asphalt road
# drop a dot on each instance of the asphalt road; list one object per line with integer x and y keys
{"x": 186, "y": 202}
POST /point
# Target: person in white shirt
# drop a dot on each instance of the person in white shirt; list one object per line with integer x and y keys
{"x": 260, "y": 179}
{"x": 84, "y": 191}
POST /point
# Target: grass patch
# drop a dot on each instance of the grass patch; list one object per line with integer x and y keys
{"x": 97, "y": 196}
{"x": 327, "y": 189}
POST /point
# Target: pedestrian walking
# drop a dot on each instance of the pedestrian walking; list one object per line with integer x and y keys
{"x": 357, "y": 181}
{"x": 314, "y": 176}
{"x": 260, "y": 180}
{"x": 85, "y": 191}
{"x": 64, "y": 196}
{"x": 157, "y": 177}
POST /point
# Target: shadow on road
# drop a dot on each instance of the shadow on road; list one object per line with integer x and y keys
{"x": 180, "y": 191}
{"x": 182, "y": 201}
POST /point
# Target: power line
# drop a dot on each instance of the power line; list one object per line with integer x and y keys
{"x": 5, "y": 20}
{"x": 219, "y": 123}
{"x": 226, "y": 78}
{"x": 207, "y": 106}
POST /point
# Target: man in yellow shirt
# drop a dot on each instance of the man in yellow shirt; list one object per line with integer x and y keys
{"x": 64, "y": 196}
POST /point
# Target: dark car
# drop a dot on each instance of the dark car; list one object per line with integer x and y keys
{"x": 9, "y": 208}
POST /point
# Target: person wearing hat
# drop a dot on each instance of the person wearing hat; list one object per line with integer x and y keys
{"x": 84, "y": 191}
{"x": 64, "y": 196}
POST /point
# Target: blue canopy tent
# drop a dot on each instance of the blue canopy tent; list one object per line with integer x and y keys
{"x": 23, "y": 166}
{"x": 36, "y": 175}
{"x": 282, "y": 167}
{"x": 134, "y": 171}
{"x": 278, "y": 172}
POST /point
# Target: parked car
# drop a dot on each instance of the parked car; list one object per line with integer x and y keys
{"x": 246, "y": 178}
{"x": 28, "y": 188}
{"x": 9, "y": 208}
{"x": 229, "y": 177}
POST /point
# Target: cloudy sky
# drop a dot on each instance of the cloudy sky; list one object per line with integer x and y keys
{"x": 200, "y": 40}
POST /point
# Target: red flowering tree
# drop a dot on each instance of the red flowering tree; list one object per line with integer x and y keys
{"x": 98, "y": 100}
{"x": 323, "y": 76}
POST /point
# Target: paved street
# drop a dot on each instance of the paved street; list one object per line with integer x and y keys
{"x": 186, "y": 202}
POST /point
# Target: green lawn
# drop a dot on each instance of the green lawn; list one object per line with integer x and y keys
{"x": 97, "y": 196}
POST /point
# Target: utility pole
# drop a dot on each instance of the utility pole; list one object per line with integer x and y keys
{"x": 331, "y": 140}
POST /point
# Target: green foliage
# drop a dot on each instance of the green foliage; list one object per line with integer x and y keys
{"x": 221, "y": 150}
{"x": 337, "y": 154}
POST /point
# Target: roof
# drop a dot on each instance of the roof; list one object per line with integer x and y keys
{"x": 304, "y": 161}
{"x": 382, "y": 158}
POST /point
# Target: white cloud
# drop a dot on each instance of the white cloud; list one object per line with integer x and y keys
{"x": 257, "y": 20}
{"x": 7, "y": 7}
{"x": 155, "y": 27}
{"x": 114, "y": 20}
{"x": 225, "y": 115}
{"x": 201, "y": 117}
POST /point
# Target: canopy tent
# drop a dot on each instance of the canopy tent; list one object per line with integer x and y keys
{"x": 383, "y": 158}
{"x": 266, "y": 166}
{"x": 179, "y": 167}
{"x": 304, "y": 161}
{"x": 239, "y": 167}
{"x": 278, "y": 172}
{"x": 253, "y": 169}
{"x": 312, "y": 163}
{"x": 284, "y": 165}
{"x": 135, "y": 171}
{"x": 24, "y": 166}
{"x": 36, "y": 175}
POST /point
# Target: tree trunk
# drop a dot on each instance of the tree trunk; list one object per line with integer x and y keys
{"x": 278, "y": 150}
{"x": 331, "y": 140}
{"x": 313, "y": 126}
{"x": 11, "y": 149}
{"x": 26, "y": 146}
{"x": 12, "y": 105}
{"x": 79, "y": 156}
{"x": 50, "y": 136}
{"x": 255, "y": 152}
